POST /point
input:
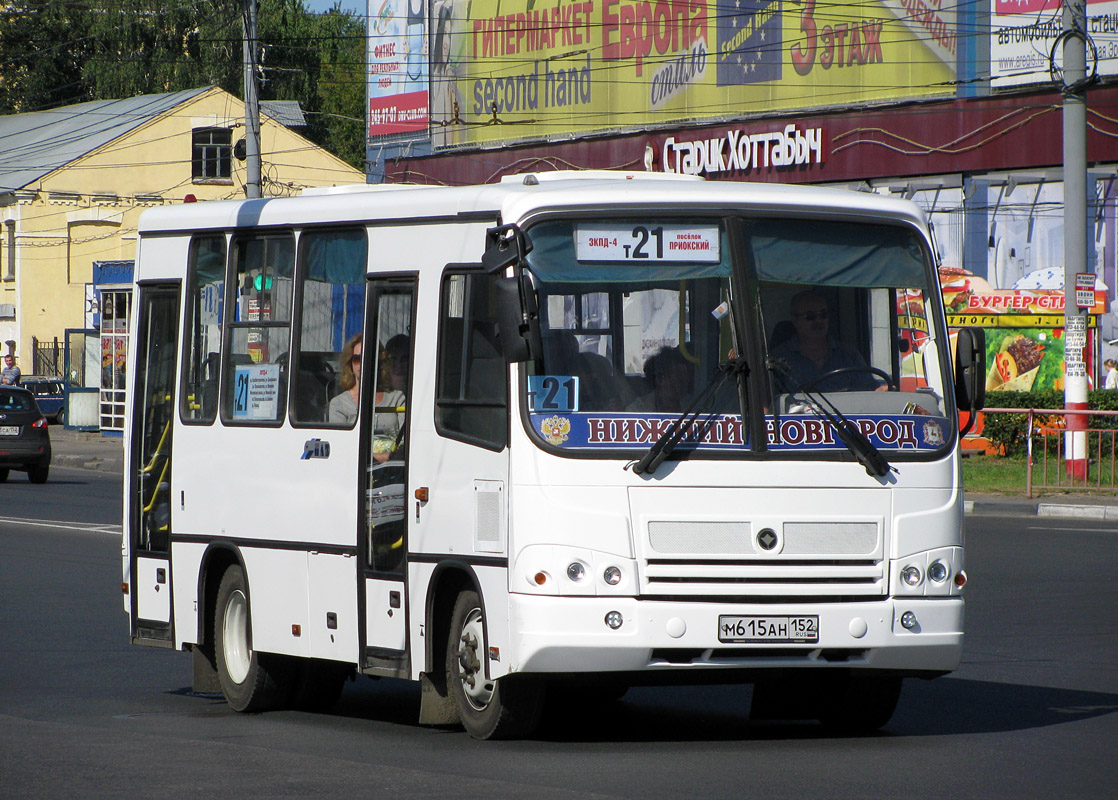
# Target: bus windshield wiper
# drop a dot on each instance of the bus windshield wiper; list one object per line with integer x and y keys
{"x": 848, "y": 433}
{"x": 680, "y": 426}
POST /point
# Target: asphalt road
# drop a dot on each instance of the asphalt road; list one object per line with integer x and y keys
{"x": 1032, "y": 712}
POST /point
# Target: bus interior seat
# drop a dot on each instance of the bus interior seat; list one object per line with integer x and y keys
{"x": 316, "y": 379}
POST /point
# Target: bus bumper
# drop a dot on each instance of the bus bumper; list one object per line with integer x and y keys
{"x": 568, "y": 634}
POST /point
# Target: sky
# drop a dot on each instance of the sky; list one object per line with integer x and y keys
{"x": 357, "y": 6}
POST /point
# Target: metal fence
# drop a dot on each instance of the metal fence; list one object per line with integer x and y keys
{"x": 47, "y": 358}
{"x": 1047, "y": 458}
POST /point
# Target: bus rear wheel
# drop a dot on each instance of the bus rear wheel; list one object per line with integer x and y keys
{"x": 507, "y": 708}
{"x": 251, "y": 681}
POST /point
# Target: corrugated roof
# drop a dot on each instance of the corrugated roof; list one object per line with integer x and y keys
{"x": 286, "y": 112}
{"x": 37, "y": 143}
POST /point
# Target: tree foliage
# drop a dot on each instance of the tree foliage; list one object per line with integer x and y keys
{"x": 60, "y": 52}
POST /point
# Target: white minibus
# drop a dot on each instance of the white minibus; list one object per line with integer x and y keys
{"x": 567, "y": 434}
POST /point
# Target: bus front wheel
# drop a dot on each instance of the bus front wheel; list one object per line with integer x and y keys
{"x": 251, "y": 681}
{"x": 507, "y": 708}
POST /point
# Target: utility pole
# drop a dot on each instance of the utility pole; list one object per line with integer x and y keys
{"x": 252, "y": 105}
{"x": 1074, "y": 58}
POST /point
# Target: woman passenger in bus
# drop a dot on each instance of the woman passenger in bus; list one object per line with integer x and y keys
{"x": 343, "y": 407}
{"x": 388, "y": 400}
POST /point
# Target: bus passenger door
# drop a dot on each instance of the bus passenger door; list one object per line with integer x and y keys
{"x": 149, "y": 517}
{"x": 386, "y": 378}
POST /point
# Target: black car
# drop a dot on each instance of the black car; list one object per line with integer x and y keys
{"x": 24, "y": 436}
{"x": 49, "y": 394}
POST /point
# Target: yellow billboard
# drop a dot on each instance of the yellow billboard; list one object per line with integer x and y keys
{"x": 506, "y": 70}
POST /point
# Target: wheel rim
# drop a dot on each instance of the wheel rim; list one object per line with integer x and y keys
{"x": 234, "y": 637}
{"x": 477, "y": 690}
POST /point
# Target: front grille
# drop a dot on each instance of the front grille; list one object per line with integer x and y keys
{"x": 810, "y": 561}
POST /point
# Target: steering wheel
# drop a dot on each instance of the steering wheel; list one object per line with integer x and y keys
{"x": 880, "y": 373}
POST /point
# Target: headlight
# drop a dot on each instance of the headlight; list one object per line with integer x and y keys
{"x": 911, "y": 575}
{"x": 576, "y": 571}
{"x": 612, "y": 576}
{"x": 937, "y": 572}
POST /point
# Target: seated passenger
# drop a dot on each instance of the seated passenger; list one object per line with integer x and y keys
{"x": 343, "y": 406}
{"x": 388, "y": 401}
{"x": 811, "y": 353}
{"x": 671, "y": 376}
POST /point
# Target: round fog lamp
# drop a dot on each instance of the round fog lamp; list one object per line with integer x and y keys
{"x": 908, "y": 620}
{"x": 911, "y": 575}
{"x": 612, "y": 576}
{"x": 575, "y": 571}
{"x": 614, "y": 619}
{"x": 938, "y": 571}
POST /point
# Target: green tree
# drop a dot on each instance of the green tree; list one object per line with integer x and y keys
{"x": 43, "y": 44}
{"x": 57, "y": 52}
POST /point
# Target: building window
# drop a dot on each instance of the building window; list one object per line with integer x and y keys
{"x": 212, "y": 157}
{"x": 9, "y": 245}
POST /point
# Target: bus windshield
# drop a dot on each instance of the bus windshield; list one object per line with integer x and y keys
{"x": 642, "y": 320}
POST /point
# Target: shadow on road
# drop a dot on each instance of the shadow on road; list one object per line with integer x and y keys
{"x": 947, "y": 706}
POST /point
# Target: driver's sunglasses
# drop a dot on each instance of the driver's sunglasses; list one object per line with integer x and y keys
{"x": 812, "y": 316}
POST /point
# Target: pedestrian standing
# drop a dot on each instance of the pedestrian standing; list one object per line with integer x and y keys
{"x": 1111, "y": 373}
{"x": 9, "y": 376}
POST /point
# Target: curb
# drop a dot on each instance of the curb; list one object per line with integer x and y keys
{"x": 1038, "y": 509}
{"x": 1077, "y": 512}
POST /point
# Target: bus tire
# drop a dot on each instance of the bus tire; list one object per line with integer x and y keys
{"x": 250, "y": 681}
{"x": 854, "y": 705}
{"x": 507, "y": 708}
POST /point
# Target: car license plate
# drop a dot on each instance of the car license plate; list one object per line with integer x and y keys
{"x": 9, "y": 430}
{"x": 775, "y": 629}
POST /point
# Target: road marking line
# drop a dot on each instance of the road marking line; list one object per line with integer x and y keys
{"x": 81, "y": 526}
{"x": 1071, "y": 530}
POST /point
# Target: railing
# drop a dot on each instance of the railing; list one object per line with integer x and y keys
{"x": 1047, "y": 429}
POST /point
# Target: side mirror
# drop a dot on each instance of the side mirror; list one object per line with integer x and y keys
{"x": 518, "y": 322}
{"x": 970, "y": 373}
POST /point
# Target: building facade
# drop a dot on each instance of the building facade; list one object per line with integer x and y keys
{"x": 73, "y": 182}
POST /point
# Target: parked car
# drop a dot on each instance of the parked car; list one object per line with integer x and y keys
{"x": 49, "y": 394}
{"x": 24, "y": 435}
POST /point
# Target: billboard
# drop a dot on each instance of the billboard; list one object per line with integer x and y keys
{"x": 506, "y": 70}
{"x": 397, "y": 64}
{"x": 1024, "y": 32}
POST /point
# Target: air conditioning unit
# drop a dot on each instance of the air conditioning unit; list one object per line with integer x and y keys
{"x": 7, "y": 311}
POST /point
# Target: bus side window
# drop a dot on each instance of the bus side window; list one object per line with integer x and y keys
{"x": 258, "y": 335}
{"x": 331, "y": 301}
{"x": 472, "y": 398}
{"x": 203, "y": 330}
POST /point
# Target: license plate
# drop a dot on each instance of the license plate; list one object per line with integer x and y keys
{"x": 776, "y": 629}
{"x": 9, "y": 430}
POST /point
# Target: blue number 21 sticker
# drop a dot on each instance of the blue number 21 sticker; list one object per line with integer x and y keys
{"x": 553, "y": 393}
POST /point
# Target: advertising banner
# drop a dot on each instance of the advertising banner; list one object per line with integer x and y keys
{"x": 1023, "y": 34}
{"x": 522, "y": 69}
{"x": 1025, "y": 342}
{"x": 397, "y": 63}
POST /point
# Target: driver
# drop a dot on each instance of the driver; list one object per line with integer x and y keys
{"x": 811, "y": 353}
